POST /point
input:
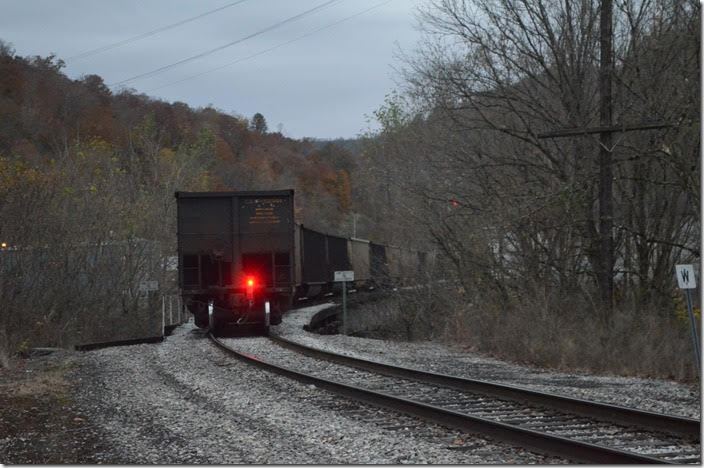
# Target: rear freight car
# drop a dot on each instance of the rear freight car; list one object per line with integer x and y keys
{"x": 242, "y": 258}
{"x": 236, "y": 256}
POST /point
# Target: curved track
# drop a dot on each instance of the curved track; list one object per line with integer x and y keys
{"x": 675, "y": 425}
{"x": 574, "y": 429}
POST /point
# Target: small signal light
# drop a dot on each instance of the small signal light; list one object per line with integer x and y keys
{"x": 3, "y": 245}
{"x": 454, "y": 202}
{"x": 250, "y": 289}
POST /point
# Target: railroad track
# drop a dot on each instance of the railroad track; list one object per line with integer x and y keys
{"x": 574, "y": 429}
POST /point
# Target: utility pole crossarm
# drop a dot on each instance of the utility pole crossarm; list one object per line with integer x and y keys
{"x": 568, "y": 132}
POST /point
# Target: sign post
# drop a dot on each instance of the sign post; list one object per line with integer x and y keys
{"x": 344, "y": 276}
{"x": 686, "y": 281}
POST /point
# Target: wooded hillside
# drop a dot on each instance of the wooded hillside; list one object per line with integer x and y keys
{"x": 50, "y": 121}
{"x": 82, "y": 167}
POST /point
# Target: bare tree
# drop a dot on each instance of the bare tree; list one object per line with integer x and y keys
{"x": 502, "y": 72}
{"x": 517, "y": 215}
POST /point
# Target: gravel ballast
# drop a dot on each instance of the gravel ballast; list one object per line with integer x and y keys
{"x": 646, "y": 394}
{"x": 185, "y": 401}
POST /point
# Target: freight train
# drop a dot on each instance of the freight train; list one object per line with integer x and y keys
{"x": 243, "y": 260}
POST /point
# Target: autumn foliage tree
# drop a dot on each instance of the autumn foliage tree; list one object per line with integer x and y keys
{"x": 87, "y": 182}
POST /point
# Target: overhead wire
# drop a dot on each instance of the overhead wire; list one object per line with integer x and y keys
{"x": 229, "y": 44}
{"x": 153, "y": 32}
{"x": 271, "y": 48}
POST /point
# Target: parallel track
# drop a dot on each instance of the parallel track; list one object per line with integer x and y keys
{"x": 481, "y": 407}
{"x": 676, "y": 425}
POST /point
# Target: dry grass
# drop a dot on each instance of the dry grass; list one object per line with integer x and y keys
{"x": 407, "y": 314}
{"x": 33, "y": 387}
{"x": 43, "y": 381}
{"x": 553, "y": 333}
{"x": 636, "y": 341}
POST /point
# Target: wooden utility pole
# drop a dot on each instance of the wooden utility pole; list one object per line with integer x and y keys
{"x": 605, "y": 267}
{"x": 606, "y": 216}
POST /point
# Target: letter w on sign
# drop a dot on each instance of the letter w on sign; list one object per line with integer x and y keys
{"x": 685, "y": 277}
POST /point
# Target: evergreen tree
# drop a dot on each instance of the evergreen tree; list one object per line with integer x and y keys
{"x": 258, "y": 124}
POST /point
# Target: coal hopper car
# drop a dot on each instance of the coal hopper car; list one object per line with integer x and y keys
{"x": 236, "y": 256}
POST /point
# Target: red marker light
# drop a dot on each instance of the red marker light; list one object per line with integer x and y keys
{"x": 250, "y": 289}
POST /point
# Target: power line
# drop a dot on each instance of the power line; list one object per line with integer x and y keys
{"x": 229, "y": 44}
{"x": 149, "y": 33}
{"x": 271, "y": 48}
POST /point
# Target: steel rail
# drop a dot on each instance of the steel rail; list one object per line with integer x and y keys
{"x": 680, "y": 426}
{"x": 526, "y": 438}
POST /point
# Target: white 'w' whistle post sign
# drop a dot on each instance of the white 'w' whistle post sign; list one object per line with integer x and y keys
{"x": 686, "y": 281}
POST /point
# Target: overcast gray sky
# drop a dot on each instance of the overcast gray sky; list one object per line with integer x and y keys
{"x": 320, "y": 85}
